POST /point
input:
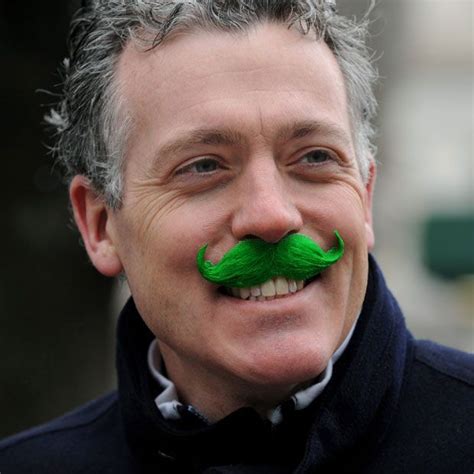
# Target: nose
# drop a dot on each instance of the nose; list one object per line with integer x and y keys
{"x": 265, "y": 209}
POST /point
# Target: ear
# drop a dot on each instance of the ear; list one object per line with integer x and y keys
{"x": 369, "y": 189}
{"x": 92, "y": 215}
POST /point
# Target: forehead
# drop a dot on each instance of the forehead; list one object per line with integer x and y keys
{"x": 265, "y": 78}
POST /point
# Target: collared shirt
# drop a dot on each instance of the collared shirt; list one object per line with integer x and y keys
{"x": 168, "y": 403}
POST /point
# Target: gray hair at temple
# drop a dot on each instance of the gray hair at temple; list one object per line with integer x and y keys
{"x": 90, "y": 122}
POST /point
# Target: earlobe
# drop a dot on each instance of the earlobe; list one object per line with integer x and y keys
{"x": 91, "y": 215}
{"x": 369, "y": 188}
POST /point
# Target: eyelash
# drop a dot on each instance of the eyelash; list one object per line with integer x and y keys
{"x": 189, "y": 167}
{"x": 329, "y": 156}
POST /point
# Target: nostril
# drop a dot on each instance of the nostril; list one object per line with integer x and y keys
{"x": 252, "y": 236}
{"x": 249, "y": 237}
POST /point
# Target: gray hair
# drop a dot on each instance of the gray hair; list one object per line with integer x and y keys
{"x": 90, "y": 123}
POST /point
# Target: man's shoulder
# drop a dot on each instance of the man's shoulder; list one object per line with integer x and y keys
{"x": 80, "y": 417}
{"x": 61, "y": 445}
{"x": 439, "y": 386}
{"x": 432, "y": 430}
{"x": 445, "y": 363}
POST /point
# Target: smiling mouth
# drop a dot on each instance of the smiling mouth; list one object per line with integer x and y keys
{"x": 279, "y": 287}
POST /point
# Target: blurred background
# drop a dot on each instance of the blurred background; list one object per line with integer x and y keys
{"x": 57, "y": 314}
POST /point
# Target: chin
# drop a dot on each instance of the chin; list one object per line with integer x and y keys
{"x": 287, "y": 364}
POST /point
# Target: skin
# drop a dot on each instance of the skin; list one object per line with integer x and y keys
{"x": 221, "y": 352}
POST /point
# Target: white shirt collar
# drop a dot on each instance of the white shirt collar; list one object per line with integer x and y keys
{"x": 167, "y": 401}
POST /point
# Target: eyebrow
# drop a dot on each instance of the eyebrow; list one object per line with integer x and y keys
{"x": 307, "y": 128}
{"x": 228, "y": 137}
{"x": 193, "y": 138}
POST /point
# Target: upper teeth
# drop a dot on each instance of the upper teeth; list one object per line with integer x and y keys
{"x": 278, "y": 286}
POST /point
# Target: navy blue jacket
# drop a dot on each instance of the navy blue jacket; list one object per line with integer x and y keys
{"x": 393, "y": 405}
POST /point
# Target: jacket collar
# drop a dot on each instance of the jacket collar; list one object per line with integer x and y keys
{"x": 350, "y": 417}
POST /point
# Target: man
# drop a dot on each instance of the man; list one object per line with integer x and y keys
{"x": 215, "y": 126}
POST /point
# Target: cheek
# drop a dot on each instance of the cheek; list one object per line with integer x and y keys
{"x": 167, "y": 313}
{"x": 338, "y": 208}
{"x": 158, "y": 233}
{"x": 181, "y": 234}
{"x": 349, "y": 202}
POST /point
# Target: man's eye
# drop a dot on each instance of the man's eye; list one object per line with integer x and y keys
{"x": 204, "y": 166}
{"x": 317, "y": 157}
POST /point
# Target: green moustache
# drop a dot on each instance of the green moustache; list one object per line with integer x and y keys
{"x": 252, "y": 262}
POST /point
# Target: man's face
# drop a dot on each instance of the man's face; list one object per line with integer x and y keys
{"x": 239, "y": 135}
